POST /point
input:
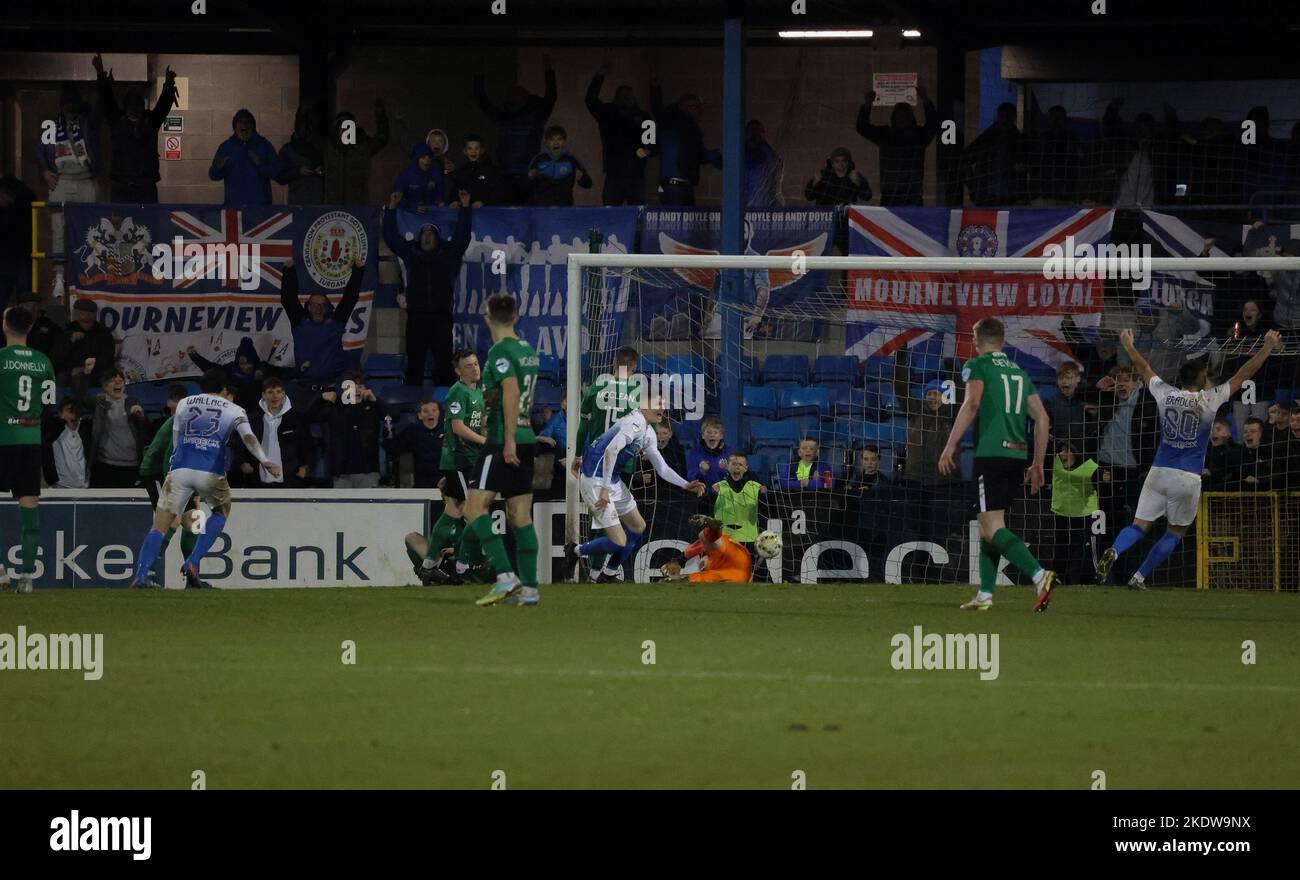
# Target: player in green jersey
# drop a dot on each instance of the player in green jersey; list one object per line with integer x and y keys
{"x": 605, "y": 401}
{"x": 998, "y": 396}
{"x": 510, "y": 376}
{"x": 27, "y": 386}
{"x": 154, "y": 465}
{"x": 463, "y": 439}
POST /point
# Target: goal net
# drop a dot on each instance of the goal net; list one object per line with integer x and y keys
{"x": 839, "y": 405}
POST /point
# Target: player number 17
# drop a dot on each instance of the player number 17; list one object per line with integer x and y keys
{"x": 1014, "y": 404}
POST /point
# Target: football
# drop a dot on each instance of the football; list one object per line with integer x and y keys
{"x": 768, "y": 545}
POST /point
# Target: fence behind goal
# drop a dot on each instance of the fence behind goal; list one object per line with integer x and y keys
{"x": 848, "y": 395}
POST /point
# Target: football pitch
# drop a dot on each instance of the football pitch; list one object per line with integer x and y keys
{"x": 749, "y": 685}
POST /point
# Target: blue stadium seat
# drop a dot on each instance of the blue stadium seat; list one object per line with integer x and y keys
{"x": 749, "y": 370}
{"x": 853, "y": 403}
{"x": 785, "y": 434}
{"x": 401, "y": 398}
{"x": 759, "y": 401}
{"x": 547, "y": 393}
{"x": 152, "y": 396}
{"x": 785, "y": 369}
{"x": 835, "y": 370}
{"x": 439, "y": 393}
{"x": 1047, "y": 392}
{"x": 878, "y": 433}
{"x": 793, "y": 402}
{"x": 878, "y": 369}
{"x": 685, "y": 364}
{"x": 760, "y": 467}
{"x": 648, "y": 365}
{"x": 548, "y": 367}
{"x": 385, "y": 366}
{"x": 925, "y": 364}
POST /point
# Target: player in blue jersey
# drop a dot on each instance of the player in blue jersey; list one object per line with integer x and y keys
{"x": 608, "y": 498}
{"x": 1173, "y": 485}
{"x": 200, "y": 430}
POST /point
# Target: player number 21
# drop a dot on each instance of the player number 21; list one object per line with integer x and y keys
{"x": 48, "y": 389}
{"x": 1013, "y": 404}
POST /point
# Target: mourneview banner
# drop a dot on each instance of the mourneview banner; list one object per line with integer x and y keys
{"x": 932, "y": 312}
{"x": 168, "y": 277}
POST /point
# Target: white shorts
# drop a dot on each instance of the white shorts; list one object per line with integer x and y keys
{"x": 621, "y": 502}
{"x": 1171, "y": 493}
{"x": 181, "y": 483}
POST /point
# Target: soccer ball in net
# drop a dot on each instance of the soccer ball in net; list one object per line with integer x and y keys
{"x": 768, "y": 545}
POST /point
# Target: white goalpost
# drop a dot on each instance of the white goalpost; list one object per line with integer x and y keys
{"x": 838, "y": 400}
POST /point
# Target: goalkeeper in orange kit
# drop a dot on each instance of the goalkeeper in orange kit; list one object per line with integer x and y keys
{"x": 725, "y": 561}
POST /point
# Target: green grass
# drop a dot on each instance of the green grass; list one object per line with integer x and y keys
{"x": 751, "y": 683}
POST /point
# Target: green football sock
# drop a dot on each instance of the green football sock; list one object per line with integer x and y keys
{"x": 989, "y": 559}
{"x": 1014, "y": 549}
{"x": 468, "y": 550}
{"x": 31, "y": 524}
{"x": 188, "y": 540}
{"x": 167, "y": 539}
{"x": 493, "y": 547}
{"x": 526, "y": 554}
{"x": 438, "y": 538}
{"x": 415, "y": 558}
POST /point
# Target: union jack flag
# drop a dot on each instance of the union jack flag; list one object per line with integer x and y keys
{"x": 932, "y": 312}
{"x": 271, "y": 252}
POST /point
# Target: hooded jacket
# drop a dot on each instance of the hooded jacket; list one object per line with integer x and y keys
{"x": 350, "y": 423}
{"x": 135, "y": 144}
{"x": 347, "y": 166}
{"x": 927, "y": 429}
{"x": 420, "y": 188}
{"x": 97, "y": 342}
{"x": 302, "y": 154}
{"x": 430, "y": 275}
{"x": 716, "y": 457}
{"x": 482, "y": 180}
{"x": 520, "y": 126}
{"x": 292, "y": 435}
{"x": 425, "y": 446}
{"x": 248, "y": 182}
{"x": 829, "y": 189}
{"x": 320, "y": 344}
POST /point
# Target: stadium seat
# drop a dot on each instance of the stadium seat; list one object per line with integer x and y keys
{"x": 783, "y": 370}
{"x": 835, "y": 370}
{"x": 439, "y": 393}
{"x": 1047, "y": 392}
{"x": 648, "y": 365}
{"x": 759, "y": 401}
{"x": 385, "y": 366}
{"x": 547, "y": 393}
{"x": 853, "y": 403}
{"x": 401, "y": 398}
{"x": 785, "y": 434}
{"x": 794, "y": 402}
{"x": 685, "y": 364}
{"x": 760, "y": 467}
{"x": 878, "y": 433}
{"x": 878, "y": 369}
{"x": 548, "y": 367}
{"x": 152, "y": 396}
{"x": 749, "y": 370}
{"x": 925, "y": 364}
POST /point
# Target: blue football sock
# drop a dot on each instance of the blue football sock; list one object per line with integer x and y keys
{"x": 598, "y": 545}
{"x": 1159, "y": 553}
{"x": 216, "y": 523}
{"x": 616, "y": 561}
{"x": 153, "y": 542}
{"x": 1129, "y": 536}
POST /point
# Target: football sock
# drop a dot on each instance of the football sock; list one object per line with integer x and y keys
{"x": 1127, "y": 537}
{"x": 526, "y": 554}
{"x": 1159, "y": 553}
{"x": 1014, "y": 549}
{"x": 493, "y": 547}
{"x": 188, "y": 540}
{"x": 442, "y": 535}
{"x": 149, "y": 548}
{"x": 989, "y": 559}
{"x": 468, "y": 551}
{"x": 416, "y": 558}
{"x": 31, "y": 523}
{"x": 167, "y": 537}
{"x": 216, "y": 523}
{"x": 625, "y": 553}
{"x": 599, "y": 545}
